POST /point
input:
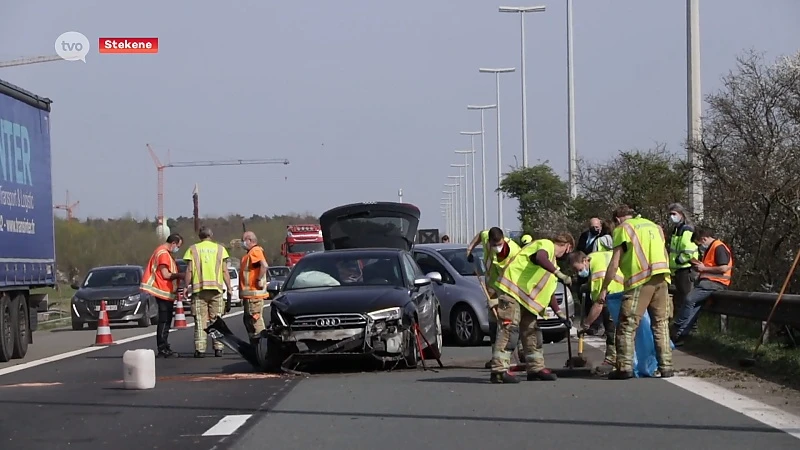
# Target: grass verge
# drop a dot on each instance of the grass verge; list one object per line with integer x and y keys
{"x": 776, "y": 361}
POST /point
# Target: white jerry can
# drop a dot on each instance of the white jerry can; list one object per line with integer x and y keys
{"x": 139, "y": 368}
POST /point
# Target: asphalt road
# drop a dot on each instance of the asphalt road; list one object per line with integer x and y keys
{"x": 79, "y": 403}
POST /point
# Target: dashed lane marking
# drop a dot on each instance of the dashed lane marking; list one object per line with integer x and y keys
{"x": 82, "y": 351}
{"x": 227, "y": 425}
{"x": 758, "y": 411}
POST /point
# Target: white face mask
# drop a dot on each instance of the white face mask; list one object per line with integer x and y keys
{"x": 675, "y": 218}
{"x": 498, "y": 248}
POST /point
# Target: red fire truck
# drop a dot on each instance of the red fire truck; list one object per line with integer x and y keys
{"x": 301, "y": 239}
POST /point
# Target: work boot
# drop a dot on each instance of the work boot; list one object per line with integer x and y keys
{"x": 620, "y": 375}
{"x": 667, "y": 373}
{"x": 199, "y": 354}
{"x": 167, "y": 353}
{"x": 503, "y": 378}
{"x": 218, "y": 353}
{"x": 542, "y": 375}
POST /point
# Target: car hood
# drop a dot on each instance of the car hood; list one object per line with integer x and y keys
{"x": 340, "y": 299}
{"x": 106, "y": 292}
{"x": 370, "y": 225}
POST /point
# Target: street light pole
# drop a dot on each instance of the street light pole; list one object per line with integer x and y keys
{"x": 400, "y": 194}
{"x": 445, "y": 204}
{"x": 497, "y": 73}
{"x": 456, "y": 205}
{"x": 472, "y": 135}
{"x": 694, "y": 104}
{"x": 462, "y": 198}
{"x": 470, "y": 231}
{"x": 453, "y": 216}
{"x": 573, "y": 153}
{"x": 521, "y": 10}
{"x": 482, "y": 108}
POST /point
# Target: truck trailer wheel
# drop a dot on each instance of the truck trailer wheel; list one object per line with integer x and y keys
{"x": 20, "y": 312}
{"x": 6, "y": 329}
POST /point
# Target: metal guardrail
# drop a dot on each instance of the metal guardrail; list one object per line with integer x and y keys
{"x": 751, "y": 305}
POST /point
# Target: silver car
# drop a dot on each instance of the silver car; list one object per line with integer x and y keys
{"x": 465, "y": 318}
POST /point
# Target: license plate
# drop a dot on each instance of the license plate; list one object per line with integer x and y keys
{"x": 108, "y": 308}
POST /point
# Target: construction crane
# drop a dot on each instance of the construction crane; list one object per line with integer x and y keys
{"x": 68, "y": 207}
{"x": 32, "y": 60}
{"x": 225, "y": 162}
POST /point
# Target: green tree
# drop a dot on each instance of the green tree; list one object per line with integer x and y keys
{"x": 543, "y": 197}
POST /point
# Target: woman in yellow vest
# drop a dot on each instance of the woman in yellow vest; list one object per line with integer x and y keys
{"x": 640, "y": 252}
{"x": 527, "y": 286}
{"x": 593, "y": 267}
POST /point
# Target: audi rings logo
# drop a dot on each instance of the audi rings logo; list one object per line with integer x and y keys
{"x": 328, "y": 322}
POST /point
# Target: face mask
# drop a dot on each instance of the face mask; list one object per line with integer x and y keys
{"x": 176, "y": 249}
{"x": 245, "y": 245}
{"x": 595, "y": 230}
{"x": 498, "y": 248}
{"x": 675, "y": 218}
{"x": 583, "y": 273}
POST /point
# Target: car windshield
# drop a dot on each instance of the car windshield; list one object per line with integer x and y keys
{"x": 112, "y": 277}
{"x": 457, "y": 257}
{"x": 306, "y": 247}
{"x": 278, "y": 271}
{"x": 345, "y": 270}
{"x": 232, "y": 273}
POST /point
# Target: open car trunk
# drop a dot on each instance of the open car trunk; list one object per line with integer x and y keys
{"x": 370, "y": 225}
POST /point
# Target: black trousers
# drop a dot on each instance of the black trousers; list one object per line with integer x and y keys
{"x": 166, "y": 310}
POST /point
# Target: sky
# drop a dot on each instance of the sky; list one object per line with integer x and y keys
{"x": 363, "y": 97}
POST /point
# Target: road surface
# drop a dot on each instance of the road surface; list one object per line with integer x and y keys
{"x": 77, "y": 402}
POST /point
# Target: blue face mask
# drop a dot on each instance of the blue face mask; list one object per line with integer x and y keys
{"x": 583, "y": 273}
{"x": 176, "y": 249}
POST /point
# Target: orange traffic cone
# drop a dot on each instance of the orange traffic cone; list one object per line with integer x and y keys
{"x": 103, "y": 327}
{"x": 180, "y": 315}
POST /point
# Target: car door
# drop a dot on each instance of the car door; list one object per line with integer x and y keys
{"x": 444, "y": 292}
{"x": 424, "y": 298}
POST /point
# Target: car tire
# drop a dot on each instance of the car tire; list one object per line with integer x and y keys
{"x": 76, "y": 326}
{"x": 144, "y": 322}
{"x": 6, "y": 329}
{"x": 554, "y": 337}
{"x": 19, "y": 308}
{"x": 434, "y": 351}
{"x": 465, "y": 319}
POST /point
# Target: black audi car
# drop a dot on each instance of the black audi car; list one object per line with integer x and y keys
{"x": 362, "y": 297}
{"x": 119, "y": 287}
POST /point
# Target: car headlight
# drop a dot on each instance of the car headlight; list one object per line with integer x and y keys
{"x": 134, "y": 298}
{"x": 385, "y": 314}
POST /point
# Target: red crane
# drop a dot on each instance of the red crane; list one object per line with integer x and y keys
{"x": 68, "y": 207}
{"x": 225, "y": 162}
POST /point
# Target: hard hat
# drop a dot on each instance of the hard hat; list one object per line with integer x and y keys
{"x": 526, "y": 239}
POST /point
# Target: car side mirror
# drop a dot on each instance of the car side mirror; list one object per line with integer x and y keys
{"x": 422, "y": 281}
{"x": 435, "y": 276}
{"x": 74, "y": 286}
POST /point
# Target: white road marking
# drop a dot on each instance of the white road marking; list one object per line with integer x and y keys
{"x": 81, "y": 351}
{"x": 758, "y": 411}
{"x": 227, "y": 425}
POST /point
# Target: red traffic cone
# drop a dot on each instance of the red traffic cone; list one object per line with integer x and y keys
{"x": 103, "y": 327}
{"x": 180, "y": 315}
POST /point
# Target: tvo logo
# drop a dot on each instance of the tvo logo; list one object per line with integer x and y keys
{"x": 72, "y": 46}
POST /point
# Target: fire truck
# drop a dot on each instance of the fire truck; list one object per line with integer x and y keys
{"x": 301, "y": 239}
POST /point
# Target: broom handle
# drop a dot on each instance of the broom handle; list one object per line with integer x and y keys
{"x": 777, "y": 301}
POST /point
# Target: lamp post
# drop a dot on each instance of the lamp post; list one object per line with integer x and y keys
{"x": 694, "y": 104}
{"x": 447, "y": 202}
{"x": 462, "y": 201}
{"x": 445, "y": 205}
{"x": 456, "y": 219}
{"x": 466, "y": 165}
{"x": 400, "y": 194}
{"x": 497, "y": 73}
{"x": 472, "y": 135}
{"x": 572, "y": 151}
{"x": 482, "y": 108}
{"x": 521, "y": 10}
